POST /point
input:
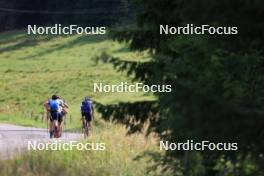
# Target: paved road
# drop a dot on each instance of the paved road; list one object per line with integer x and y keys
{"x": 14, "y": 139}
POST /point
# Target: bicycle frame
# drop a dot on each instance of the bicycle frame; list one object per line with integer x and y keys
{"x": 86, "y": 128}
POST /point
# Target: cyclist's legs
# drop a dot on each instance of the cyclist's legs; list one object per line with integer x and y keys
{"x": 88, "y": 119}
{"x": 50, "y": 125}
{"x": 53, "y": 119}
{"x": 83, "y": 119}
{"x": 60, "y": 117}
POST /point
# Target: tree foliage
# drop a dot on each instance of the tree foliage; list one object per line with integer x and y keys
{"x": 81, "y": 12}
{"x": 217, "y": 82}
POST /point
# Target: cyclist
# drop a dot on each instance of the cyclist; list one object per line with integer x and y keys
{"x": 87, "y": 111}
{"x": 54, "y": 108}
{"x": 63, "y": 110}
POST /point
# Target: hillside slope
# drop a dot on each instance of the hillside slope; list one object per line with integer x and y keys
{"x": 33, "y": 68}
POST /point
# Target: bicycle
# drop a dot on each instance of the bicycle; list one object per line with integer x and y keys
{"x": 86, "y": 128}
{"x": 56, "y": 129}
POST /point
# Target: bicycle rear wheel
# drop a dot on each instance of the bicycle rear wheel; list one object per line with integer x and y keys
{"x": 86, "y": 129}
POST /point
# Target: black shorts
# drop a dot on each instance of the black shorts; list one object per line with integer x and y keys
{"x": 55, "y": 115}
{"x": 87, "y": 115}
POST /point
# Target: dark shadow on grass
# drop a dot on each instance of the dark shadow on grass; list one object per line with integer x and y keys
{"x": 14, "y": 38}
{"x": 23, "y": 42}
{"x": 81, "y": 40}
{"x": 20, "y": 45}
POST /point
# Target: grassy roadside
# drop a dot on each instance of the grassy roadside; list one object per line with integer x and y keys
{"x": 119, "y": 158}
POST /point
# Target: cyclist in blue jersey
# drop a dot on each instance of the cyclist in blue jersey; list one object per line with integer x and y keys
{"x": 54, "y": 108}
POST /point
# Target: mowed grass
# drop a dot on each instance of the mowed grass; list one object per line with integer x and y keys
{"x": 32, "y": 68}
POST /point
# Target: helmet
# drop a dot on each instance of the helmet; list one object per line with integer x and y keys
{"x": 87, "y": 98}
{"x": 54, "y": 97}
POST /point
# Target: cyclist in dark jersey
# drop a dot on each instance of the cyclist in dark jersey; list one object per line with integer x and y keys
{"x": 87, "y": 111}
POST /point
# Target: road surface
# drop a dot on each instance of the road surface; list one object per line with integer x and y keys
{"x": 14, "y": 139}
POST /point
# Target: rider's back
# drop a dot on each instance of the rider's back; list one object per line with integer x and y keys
{"x": 86, "y": 106}
{"x": 54, "y": 105}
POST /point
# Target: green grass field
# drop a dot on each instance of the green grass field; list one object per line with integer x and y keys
{"x": 33, "y": 68}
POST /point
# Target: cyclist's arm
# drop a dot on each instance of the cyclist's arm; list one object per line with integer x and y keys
{"x": 46, "y": 105}
{"x": 65, "y": 105}
{"x": 81, "y": 108}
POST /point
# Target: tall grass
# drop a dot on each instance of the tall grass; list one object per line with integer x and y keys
{"x": 117, "y": 159}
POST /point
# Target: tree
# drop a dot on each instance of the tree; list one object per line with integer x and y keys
{"x": 217, "y": 83}
{"x": 80, "y": 12}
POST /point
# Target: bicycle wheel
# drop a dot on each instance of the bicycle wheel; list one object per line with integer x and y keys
{"x": 86, "y": 129}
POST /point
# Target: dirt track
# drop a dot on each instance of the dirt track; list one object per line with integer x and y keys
{"x": 14, "y": 139}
